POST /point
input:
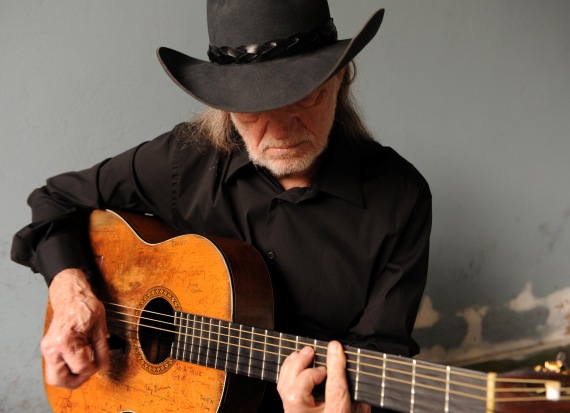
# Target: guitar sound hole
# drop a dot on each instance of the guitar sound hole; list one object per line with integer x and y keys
{"x": 156, "y": 330}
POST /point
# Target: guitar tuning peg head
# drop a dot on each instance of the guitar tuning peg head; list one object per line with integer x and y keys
{"x": 558, "y": 366}
{"x": 561, "y": 360}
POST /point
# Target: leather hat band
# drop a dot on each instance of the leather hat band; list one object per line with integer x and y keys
{"x": 257, "y": 52}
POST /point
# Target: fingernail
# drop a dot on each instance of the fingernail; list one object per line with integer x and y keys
{"x": 334, "y": 347}
{"x": 306, "y": 351}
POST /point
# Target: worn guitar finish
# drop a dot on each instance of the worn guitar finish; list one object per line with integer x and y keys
{"x": 181, "y": 311}
{"x": 188, "y": 273}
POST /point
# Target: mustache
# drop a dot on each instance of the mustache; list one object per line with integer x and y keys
{"x": 283, "y": 143}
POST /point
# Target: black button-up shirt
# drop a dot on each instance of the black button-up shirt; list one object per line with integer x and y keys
{"x": 347, "y": 255}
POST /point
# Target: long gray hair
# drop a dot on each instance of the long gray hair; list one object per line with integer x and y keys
{"x": 214, "y": 128}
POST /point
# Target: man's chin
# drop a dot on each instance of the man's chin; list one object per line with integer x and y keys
{"x": 283, "y": 168}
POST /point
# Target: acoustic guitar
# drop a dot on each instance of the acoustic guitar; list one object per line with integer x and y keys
{"x": 190, "y": 321}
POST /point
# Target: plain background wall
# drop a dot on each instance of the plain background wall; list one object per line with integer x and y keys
{"x": 476, "y": 94}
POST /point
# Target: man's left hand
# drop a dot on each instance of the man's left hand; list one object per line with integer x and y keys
{"x": 296, "y": 383}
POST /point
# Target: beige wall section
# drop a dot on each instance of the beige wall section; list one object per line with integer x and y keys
{"x": 475, "y": 93}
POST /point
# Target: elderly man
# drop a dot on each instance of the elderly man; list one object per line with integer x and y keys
{"x": 280, "y": 159}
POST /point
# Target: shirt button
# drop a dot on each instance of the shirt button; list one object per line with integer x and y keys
{"x": 271, "y": 255}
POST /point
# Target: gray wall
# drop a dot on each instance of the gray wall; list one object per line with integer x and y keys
{"x": 475, "y": 93}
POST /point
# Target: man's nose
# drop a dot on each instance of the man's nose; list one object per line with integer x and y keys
{"x": 281, "y": 121}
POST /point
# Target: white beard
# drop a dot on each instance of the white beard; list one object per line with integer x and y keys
{"x": 292, "y": 162}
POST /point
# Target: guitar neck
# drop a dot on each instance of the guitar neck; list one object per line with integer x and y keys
{"x": 380, "y": 379}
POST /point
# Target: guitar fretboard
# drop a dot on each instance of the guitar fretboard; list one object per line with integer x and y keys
{"x": 380, "y": 379}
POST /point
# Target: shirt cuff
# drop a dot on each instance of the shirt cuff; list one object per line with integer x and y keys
{"x": 62, "y": 251}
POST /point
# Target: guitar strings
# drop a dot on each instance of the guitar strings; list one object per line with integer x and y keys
{"x": 308, "y": 343}
{"x": 483, "y": 389}
{"x": 234, "y": 365}
{"x": 373, "y": 395}
{"x": 296, "y": 341}
{"x": 282, "y": 356}
{"x": 373, "y": 358}
{"x": 376, "y": 358}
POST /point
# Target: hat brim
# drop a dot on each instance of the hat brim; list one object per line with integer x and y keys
{"x": 255, "y": 87}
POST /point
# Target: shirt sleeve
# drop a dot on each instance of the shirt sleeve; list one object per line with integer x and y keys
{"x": 394, "y": 297}
{"x": 139, "y": 179}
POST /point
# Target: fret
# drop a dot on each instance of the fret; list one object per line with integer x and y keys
{"x": 364, "y": 375}
{"x": 224, "y": 342}
{"x": 357, "y": 375}
{"x": 206, "y": 340}
{"x": 200, "y": 333}
{"x": 383, "y": 391}
{"x": 447, "y": 378}
{"x": 257, "y": 358}
{"x": 315, "y": 348}
{"x": 238, "y": 348}
{"x": 180, "y": 338}
{"x": 174, "y": 346}
{"x": 250, "y": 353}
{"x": 301, "y": 342}
{"x": 430, "y": 383}
{"x": 234, "y": 342}
{"x": 272, "y": 357}
{"x": 398, "y": 383}
{"x": 244, "y": 351}
{"x": 187, "y": 336}
{"x": 209, "y": 327}
{"x": 279, "y": 362}
{"x": 197, "y": 334}
{"x": 193, "y": 354}
{"x": 320, "y": 353}
{"x": 413, "y": 387}
{"x": 215, "y": 342}
{"x": 264, "y": 355}
{"x": 175, "y": 349}
{"x": 462, "y": 383}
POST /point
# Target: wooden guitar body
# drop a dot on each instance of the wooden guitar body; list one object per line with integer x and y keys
{"x": 143, "y": 268}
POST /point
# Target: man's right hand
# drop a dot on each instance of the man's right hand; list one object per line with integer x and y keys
{"x": 75, "y": 345}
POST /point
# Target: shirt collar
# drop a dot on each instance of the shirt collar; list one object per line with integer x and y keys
{"x": 238, "y": 160}
{"x": 340, "y": 176}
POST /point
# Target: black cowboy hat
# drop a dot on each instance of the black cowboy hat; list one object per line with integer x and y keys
{"x": 265, "y": 54}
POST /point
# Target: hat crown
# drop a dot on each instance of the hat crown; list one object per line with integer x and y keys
{"x": 238, "y": 22}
